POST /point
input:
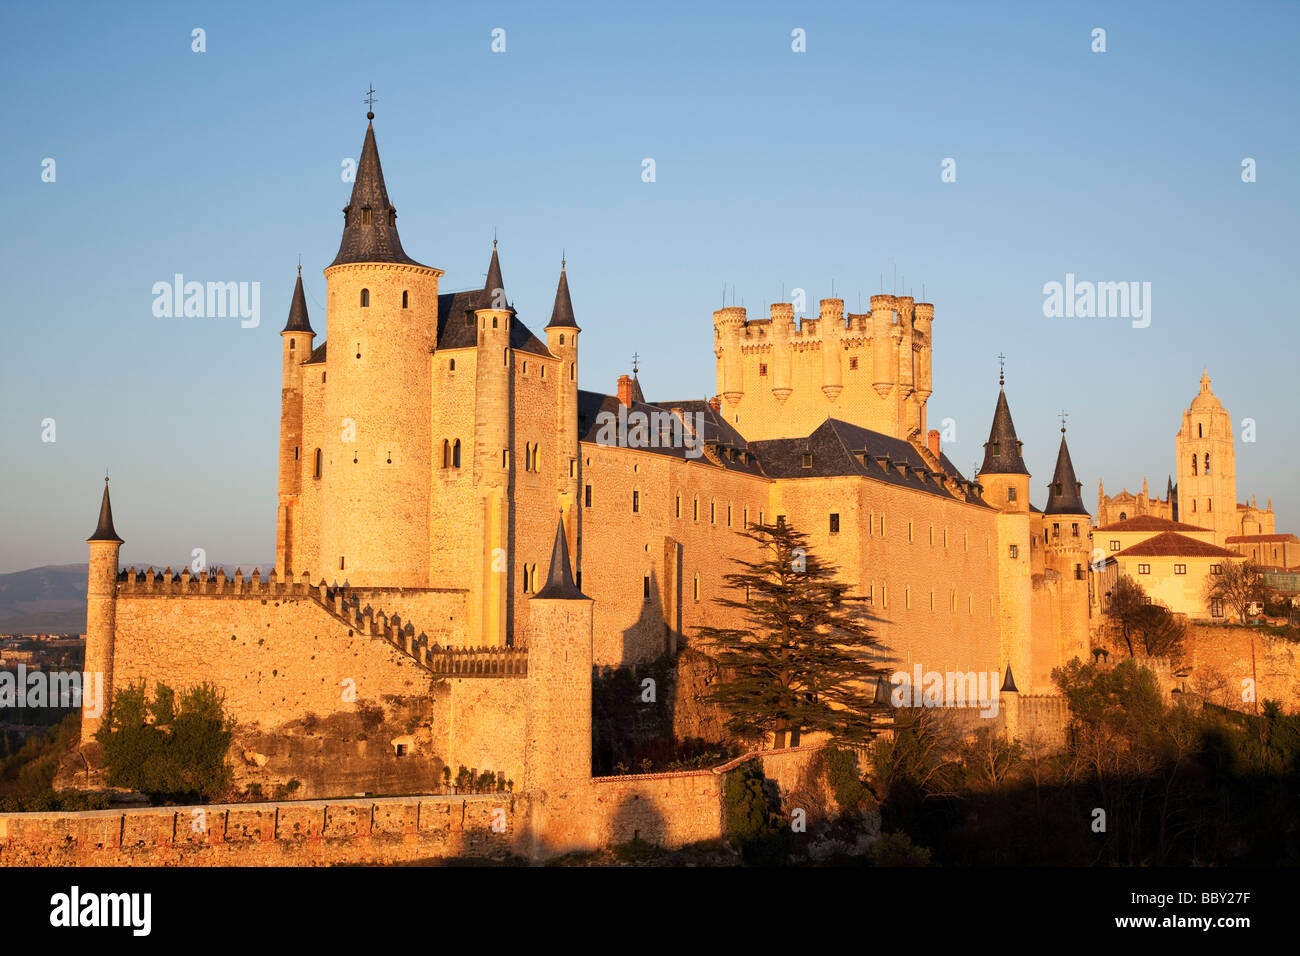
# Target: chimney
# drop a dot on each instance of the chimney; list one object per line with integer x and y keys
{"x": 933, "y": 437}
{"x": 715, "y": 403}
{"x": 625, "y": 390}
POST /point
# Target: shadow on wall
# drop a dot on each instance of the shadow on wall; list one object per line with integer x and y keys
{"x": 648, "y": 636}
{"x": 637, "y": 818}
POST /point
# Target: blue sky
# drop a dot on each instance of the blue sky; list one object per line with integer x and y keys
{"x": 772, "y": 168}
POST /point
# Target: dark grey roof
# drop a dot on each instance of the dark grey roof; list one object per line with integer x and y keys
{"x": 298, "y": 321}
{"x": 104, "y": 530}
{"x": 1009, "y": 683}
{"x": 637, "y": 396}
{"x": 457, "y": 328}
{"x": 562, "y": 313}
{"x": 730, "y": 450}
{"x": 559, "y": 580}
{"x": 317, "y": 356}
{"x": 1064, "y": 492}
{"x": 1002, "y": 454}
{"x": 375, "y": 240}
{"x": 838, "y": 448}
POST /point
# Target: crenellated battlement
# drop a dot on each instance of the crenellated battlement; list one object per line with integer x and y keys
{"x": 782, "y": 377}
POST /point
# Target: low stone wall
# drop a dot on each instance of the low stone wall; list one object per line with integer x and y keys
{"x": 305, "y": 833}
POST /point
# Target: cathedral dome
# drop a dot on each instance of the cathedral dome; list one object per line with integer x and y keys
{"x": 1206, "y": 401}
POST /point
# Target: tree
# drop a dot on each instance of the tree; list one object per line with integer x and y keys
{"x": 803, "y": 663}
{"x": 1239, "y": 584}
{"x": 1143, "y": 624}
{"x": 168, "y": 748}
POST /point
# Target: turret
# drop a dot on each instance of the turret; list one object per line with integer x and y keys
{"x": 1003, "y": 474}
{"x": 493, "y": 454}
{"x": 882, "y": 328}
{"x": 562, "y": 340}
{"x": 728, "y": 326}
{"x": 382, "y": 315}
{"x": 782, "y": 314}
{"x": 296, "y": 342}
{"x": 831, "y": 327}
{"x": 101, "y": 619}
{"x": 906, "y": 376}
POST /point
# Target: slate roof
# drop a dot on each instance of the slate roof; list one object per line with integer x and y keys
{"x": 1064, "y": 491}
{"x": 317, "y": 356}
{"x": 457, "y": 328}
{"x": 375, "y": 240}
{"x": 298, "y": 321}
{"x": 1260, "y": 538}
{"x": 104, "y": 530}
{"x": 562, "y": 312}
{"x": 1002, "y": 454}
{"x": 560, "y": 585}
{"x": 1172, "y": 544}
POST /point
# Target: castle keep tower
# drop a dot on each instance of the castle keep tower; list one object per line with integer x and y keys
{"x": 295, "y": 347}
{"x": 781, "y": 380}
{"x": 1207, "y": 470}
{"x": 101, "y": 615}
{"x": 382, "y": 311}
{"x": 1006, "y": 487}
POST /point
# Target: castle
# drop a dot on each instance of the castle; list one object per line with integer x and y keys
{"x": 459, "y": 537}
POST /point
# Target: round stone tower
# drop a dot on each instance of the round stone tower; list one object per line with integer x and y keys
{"x": 562, "y": 341}
{"x": 382, "y": 318}
{"x": 101, "y": 619}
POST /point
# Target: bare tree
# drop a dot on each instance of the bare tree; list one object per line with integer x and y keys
{"x": 1239, "y": 584}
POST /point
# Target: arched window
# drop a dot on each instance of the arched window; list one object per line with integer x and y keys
{"x": 292, "y": 344}
{"x": 452, "y": 366}
{"x": 455, "y": 453}
{"x": 365, "y": 298}
{"x": 561, "y": 338}
{"x": 1207, "y": 462}
{"x": 1123, "y": 516}
{"x": 446, "y": 453}
{"x": 317, "y": 472}
{"x": 573, "y": 371}
{"x": 406, "y": 298}
{"x": 1199, "y": 432}
{"x": 1193, "y": 463}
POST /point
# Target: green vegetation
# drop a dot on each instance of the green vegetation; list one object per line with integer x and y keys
{"x": 801, "y": 662}
{"x": 173, "y": 750}
{"x": 27, "y": 771}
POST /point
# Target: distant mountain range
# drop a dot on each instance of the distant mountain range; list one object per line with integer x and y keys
{"x": 52, "y": 599}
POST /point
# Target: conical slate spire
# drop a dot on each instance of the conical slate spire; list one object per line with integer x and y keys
{"x": 370, "y": 220}
{"x": 104, "y": 530}
{"x": 298, "y": 321}
{"x": 562, "y": 314}
{"x": 1002, "y": 450}
{"x": 495, "y": 288}
{"x": 1009, "y": 683}
{"x": 559, "y": 581}
{"x": 1064, "y": 493}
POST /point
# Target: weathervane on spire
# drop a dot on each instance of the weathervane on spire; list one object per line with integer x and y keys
{"x": 1002, "y": 369}
{"x": 370, "y": 101}
{"x": 1063, "y": 415}
{"x": 636, "y": 357}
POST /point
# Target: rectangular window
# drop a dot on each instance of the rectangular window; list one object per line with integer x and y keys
{"x": 835, "y": 524}
{"x": 695, "y": 506}
{"x": 586, "y": 496}
{"x": 645, "y": 587}
{"x": 728, "y": 516}
{"x": 807, "y": 460}
{"x": 1114, "y": 545}
{"x": 762, "y": 369}
{"x": 1216, "y": 607}
{"x": 1014, "y": 551}
{"x": 853, "y": 363}
{"x": 678, "y": 506}
{"x": 1074, "y": 529}
{"x": 713, "y": 512}
{"x": 1216, "y": 569}
{"x": 1056, "y": 529}
{"x": 1144, "y": 569}
{"x": 1011, "y": 493}
{"x": 697, "y": 587}
{"x": 909, "y": 531}
{"x": 871, "y": 593}
{"x": 636, "y": 502}
{"x": 1180, "y": 569}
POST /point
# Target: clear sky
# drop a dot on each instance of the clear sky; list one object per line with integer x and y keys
{"x": 772, "y": 168}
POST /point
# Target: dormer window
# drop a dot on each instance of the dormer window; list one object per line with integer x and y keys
{"x": 392, "y": 216}
{"x": 997, "y": 448}
{"x": 365, "y": 215}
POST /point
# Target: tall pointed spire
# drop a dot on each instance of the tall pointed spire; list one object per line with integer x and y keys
{"x": 495, "y": 287}
{"x": 104, "y": 530}
{"x": 559, "y": 581}
{"x": 1065, "y": 492}
{"x": 562, "y": 313}
{"x": 1002, "y": 454}
{"x": 370, "y": 220}
{"x": 298, "y": 321}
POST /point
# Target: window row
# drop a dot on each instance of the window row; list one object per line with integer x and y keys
{"x": 365, "y": 299}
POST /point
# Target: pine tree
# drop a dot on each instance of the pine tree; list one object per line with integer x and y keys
{"x": 803, "y": 664}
